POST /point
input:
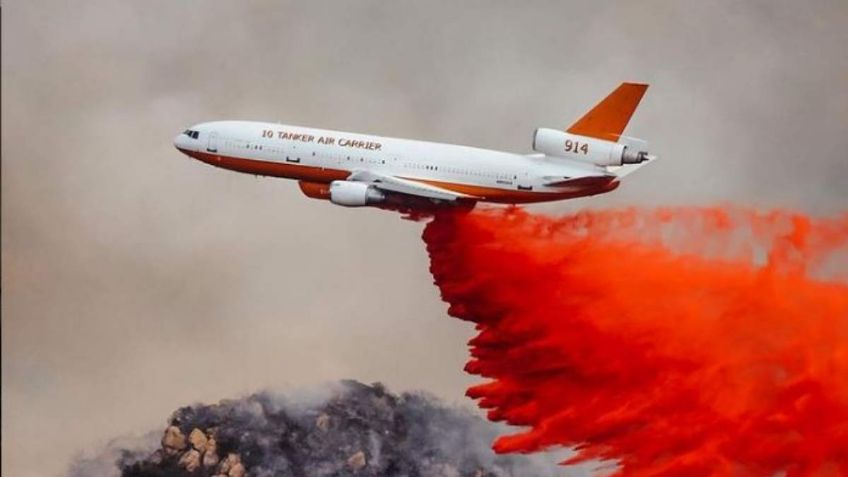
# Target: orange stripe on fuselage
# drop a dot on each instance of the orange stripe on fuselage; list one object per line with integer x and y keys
{"x": 269, "y": 168}
{"x": 324, "y": 175}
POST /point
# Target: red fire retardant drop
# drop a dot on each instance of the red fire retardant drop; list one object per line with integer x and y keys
{"x": 671, "y": 342}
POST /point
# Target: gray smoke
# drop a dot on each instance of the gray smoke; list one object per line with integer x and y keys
{"x": 345, "y": 428}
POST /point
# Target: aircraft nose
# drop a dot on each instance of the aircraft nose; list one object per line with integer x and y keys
{"x": 180, "y": 141}
{"x": 187, "y": 140}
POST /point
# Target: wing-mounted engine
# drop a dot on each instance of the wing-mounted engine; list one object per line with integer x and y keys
{"x": 586, "y": 149}
{"x": 315, "y": 190}
{"x": 354, "y": 194}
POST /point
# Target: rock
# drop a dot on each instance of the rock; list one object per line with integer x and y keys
{"x": 190, "y": 461}
{"x": 237, "y": 470}
{"x": 173, "y": 441}
{"x": 224, "y": 467}
{"x": 198, "y": 439}
{"x": 323, "y": 422}
{"x": 356, "y": 461}
{"x": 210, "y": 457}
{"x": 232, "y": 467}
{"x": 228, "y": 463}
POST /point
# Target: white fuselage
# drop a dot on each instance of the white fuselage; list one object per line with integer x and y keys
{"x": 317, "y": 156}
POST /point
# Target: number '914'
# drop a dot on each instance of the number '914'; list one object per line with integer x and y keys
{"x": 576, "y": 147}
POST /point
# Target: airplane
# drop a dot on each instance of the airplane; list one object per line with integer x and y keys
{"x": 590, "y": 157}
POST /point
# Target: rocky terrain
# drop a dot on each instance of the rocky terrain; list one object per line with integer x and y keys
{"x": 345, "y": 429}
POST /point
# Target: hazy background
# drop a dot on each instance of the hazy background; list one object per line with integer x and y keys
{"x": 136, "y": 280}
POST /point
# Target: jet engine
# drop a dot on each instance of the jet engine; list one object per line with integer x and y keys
{"x": 354, "y": 194}
{"x": 586, "y": 149}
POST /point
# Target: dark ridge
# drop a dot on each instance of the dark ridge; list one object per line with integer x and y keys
{"x": 345, "y": 429}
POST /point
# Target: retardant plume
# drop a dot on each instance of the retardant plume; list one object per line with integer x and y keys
{"x": 710, "y": 341}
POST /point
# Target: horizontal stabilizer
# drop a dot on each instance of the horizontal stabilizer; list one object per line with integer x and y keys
{"x": 627, "y": 169}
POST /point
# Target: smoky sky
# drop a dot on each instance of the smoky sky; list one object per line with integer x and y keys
{"x": 136, "y": 280}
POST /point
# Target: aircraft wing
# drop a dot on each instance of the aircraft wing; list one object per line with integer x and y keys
{"x": 405, "y": 186}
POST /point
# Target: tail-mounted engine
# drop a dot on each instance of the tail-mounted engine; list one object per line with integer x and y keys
{"x": 586, "y": 149}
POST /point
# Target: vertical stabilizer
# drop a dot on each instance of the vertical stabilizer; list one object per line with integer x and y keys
{"x": 608, "y": 118}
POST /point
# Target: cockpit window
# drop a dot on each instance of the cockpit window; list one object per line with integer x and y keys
{"x": 191, "y": 134}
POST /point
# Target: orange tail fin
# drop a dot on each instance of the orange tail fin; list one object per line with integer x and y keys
{"x": 608, "y": 118}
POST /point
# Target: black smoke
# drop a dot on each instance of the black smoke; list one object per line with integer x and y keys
{"x": 347, "y": 428}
